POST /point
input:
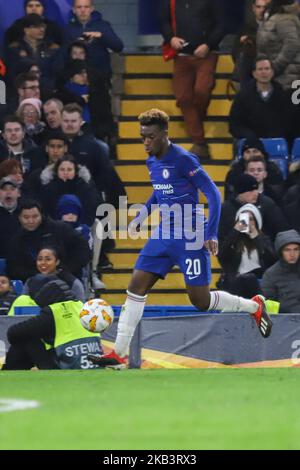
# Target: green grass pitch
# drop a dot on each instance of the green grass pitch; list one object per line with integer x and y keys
{"x": 153, "y": 409}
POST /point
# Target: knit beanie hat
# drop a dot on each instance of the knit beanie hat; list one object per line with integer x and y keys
{"x": 254, "y": 210}
{"x": 35, "y": 102}
{"x": 69, "y": 204}
{"x": 75, "y": 66}
{"x": 32, "y": 20}
{"x": 42, "y": 2}
{"x": 253, "y": 143}
{"x": 245, "y": 183}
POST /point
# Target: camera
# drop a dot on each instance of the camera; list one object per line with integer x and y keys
{"x": 244, "y": 220}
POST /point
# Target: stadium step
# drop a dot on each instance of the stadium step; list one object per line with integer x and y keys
{"x": 140, "y": 194}
{"x": 214, "y": 129}
{"x": 133, "y": 106}
{"x": 142, "y": 85}
{"x": 125, "y": 259}
{"x": 174, "y": 280}
{"x": 148, "y": 84}
{"x": 139, "y": 173}
{"x": 135, "y": 151}
{"x": 154, "y": 64}
{"x": 156, "y": 298}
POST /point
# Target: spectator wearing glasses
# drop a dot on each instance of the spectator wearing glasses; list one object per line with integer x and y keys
{"x": 29, "y": 111}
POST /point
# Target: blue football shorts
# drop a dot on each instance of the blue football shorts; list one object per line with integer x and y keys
{"x": 159, "y": 256}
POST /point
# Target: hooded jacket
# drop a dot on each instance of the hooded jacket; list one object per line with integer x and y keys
{"x": 281, "y": 282}
{"x": 98, "y": 52}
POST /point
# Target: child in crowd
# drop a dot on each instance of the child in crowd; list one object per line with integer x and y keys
{"x": 6, "y": 294}
{"x": 69, "y": 209}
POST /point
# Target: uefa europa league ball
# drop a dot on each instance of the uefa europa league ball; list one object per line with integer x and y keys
{"x": 96, "y": 315}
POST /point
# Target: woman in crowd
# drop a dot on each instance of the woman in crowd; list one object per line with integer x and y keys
{"x": 245, "y": 254}
{"x": 67, "y": 177}
{"x": 48, "y": 263}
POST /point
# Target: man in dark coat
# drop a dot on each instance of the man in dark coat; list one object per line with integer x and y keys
{"x": 261, "y": 108}
{"x": 37, "y": 231}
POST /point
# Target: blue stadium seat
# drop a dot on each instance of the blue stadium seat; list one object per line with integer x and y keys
{"x": 18, "y": 286}
{"x": 2, "y": 266}
{"x": 296, "y": 149}
{"x": 277, "y": 149}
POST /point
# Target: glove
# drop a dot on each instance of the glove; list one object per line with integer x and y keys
{"x": 53, "y": 292}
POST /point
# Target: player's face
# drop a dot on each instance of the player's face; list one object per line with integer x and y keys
{"x": 155, "y": 140}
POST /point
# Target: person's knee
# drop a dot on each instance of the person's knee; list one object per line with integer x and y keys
{"x": 201, "y": 303}
{"x": 137, "y": 288}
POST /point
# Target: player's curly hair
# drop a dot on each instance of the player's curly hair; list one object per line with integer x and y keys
{"x": 156, "y": 117}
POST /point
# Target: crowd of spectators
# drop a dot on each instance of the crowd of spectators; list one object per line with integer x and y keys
{"x": 266, "y": 55}
{"x": 56, "y": 163}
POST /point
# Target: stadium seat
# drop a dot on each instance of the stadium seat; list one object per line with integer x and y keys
{"x": 18, "y": 286}
{"x": 2, "y": 266}
{"x": 296, "y": 149}
{"x": 276, "y": 148}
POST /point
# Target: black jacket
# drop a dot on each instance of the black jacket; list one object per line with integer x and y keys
{"x": 274, "y": 183}
{"x": 230, "y": 258}
{"x": 73, "y": 249}
{"x": 9, "y": 223}
{"x": 291, "y": 206}
{"x": 273, "y": 219}
{"x": 197, "y": 21}
{"x": 87, "y": 152}
{"x": 54, "y": 32}
{"x": 251, "y": 115}
{"x": 29, "y": 158}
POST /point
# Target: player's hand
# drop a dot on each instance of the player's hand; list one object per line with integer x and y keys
{"x": 177, "y": 43}
{"x": 212, "y": 246}
{"x": 202, "y": 51}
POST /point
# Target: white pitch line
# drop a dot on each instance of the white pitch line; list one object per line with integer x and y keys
{"x": 10, "y": 404}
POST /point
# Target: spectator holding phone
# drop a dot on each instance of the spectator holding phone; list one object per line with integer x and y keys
{"x": 88, "y": 25}
{"x": 245, "y": 253}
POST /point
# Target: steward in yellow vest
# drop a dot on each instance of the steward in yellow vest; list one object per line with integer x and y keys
{"x": 54, "y": 339}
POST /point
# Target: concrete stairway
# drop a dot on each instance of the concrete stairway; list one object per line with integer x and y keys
{"x": 148, "y": 84}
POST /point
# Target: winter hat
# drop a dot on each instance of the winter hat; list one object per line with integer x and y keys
{"x": 253, "y": 143}
{"x": 75, "y": 66}
{"x": 46, "y": 290}
{"x": 285, "y": 238}
{"x": 32, "y": 20}
{"x": 42, "y": 2}
{"x": 69, "y": 204}
{"x": 254, "y": 210}
{"x": 38, "y": 281}
{"x": 245, "y": 183}
{"x": 8, "y": 180}
{"x": 35, "y": 102}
